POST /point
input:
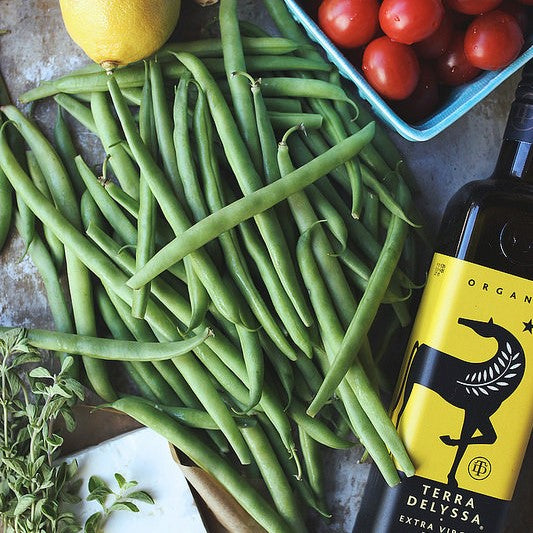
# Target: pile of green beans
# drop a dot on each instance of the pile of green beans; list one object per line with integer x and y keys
{"x": 244, "y": 257}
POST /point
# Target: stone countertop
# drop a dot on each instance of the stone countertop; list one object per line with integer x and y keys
{"x": 38, "y": 48}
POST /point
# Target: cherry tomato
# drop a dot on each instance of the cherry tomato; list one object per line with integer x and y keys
{"x": 473, "y": 7}
{"x": 493, "y": 40}
{"x": 349, "y": 23}
{"x": 518, "y": 11}
{"x": 391, "y": 68}
{"x": 425, "y": 97}
{"x": 435, "y": 45}
{"x": 410, "y": 21}
{"x": 452, "y": 67}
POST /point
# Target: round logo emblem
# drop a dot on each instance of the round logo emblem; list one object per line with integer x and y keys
{"x": 479, "y": 468}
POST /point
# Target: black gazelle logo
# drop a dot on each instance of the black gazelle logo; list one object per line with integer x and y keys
{"x": 477, "y": 388}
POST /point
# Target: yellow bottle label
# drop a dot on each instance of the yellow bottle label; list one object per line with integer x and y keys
{"x": 464, "y": 402}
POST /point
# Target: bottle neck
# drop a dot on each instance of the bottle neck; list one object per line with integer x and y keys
{"x": 515, "y": 161}
{"x": 516, "y": 155}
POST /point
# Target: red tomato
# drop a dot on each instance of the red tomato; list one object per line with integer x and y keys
{"x": 493, "y": 40}
{"x": 410, "y": 21}
{"x": 391, "y": 68}
{"x": 435, "y": 45}
{"x": 518, "y": 11}
{"x": 452, "y": 67}
{"x": 425, "y": 97}
{"x": 473, "y": 7}
{"x": 349, "y": 23}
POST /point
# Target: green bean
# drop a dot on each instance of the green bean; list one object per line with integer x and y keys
{"x": 142, "y": 332}
{"x": 312, "y": 461}
{"x": 245, "y": 208}
{"x": 335, "y": 132}
{"x": 6, "y": 203}
{"x": 254, "y": 362}
{"x": 145, "y": 245}
{"x": 113, "y": 214}
{"x": 172, "y": 211}
{"x": 281, "y": 365}
{"x": 332, "y": 333}
{"x": 274, "y": 476}
{"x": 163, "y": 124}
{"x": 79, "y": 111}
{"x": 44, "y": 263}
{"x": 305, "y": 218}
{"x": 108, "y": 273}
{"x": 202, "y": 455}
{"x": 139, "y": 382}
{"x": 230, "y": 245}
{"x": 234, "y": 62}
{"x": 292, "y": 322}
{"x": 371, "y": 214}
{"x": 365, "y": 313}
{"x": 54, "y": 244}
{"x": 90, "y": 212}
{"x": 27, "y": 222}
{"x": 299, "y": 484}
{"x": 250, "y": 45}
{"x": 65, "y": 198}
{"x": 122, "y": 198}
{"x": 283, "y": 121}
{"x": 110, "y": 349}
{"x": 67, "y": 151}
{"x": 145, "y": 375}
{"x": 249, "y": 181}
{"x": 317, "y": 429}
{"x": 283, "y": 105}
{"x": 109, "y": 133}
{"x": 333, "y": 220}
{"x": 193, "y": 418}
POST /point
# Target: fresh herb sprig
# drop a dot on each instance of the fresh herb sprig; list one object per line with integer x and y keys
{"x": 32, "y": 486}
{"x": 122, "y": 500}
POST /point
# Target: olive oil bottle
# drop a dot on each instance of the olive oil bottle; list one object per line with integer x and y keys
{"x": 464, "y": 402}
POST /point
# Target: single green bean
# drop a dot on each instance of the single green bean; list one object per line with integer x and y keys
{"x": 234, "y": 62}
{"x": 110, "y": 349}
{"x": 122, "y": 198}
{"x": 252, "y": 204}
{"x": 54, "y": 244}
{"x": 371, "y": 214}
{"x": 313, "y": 463}
{"x": 79, "y": 111}
{"x": 90, "y": 212}
{"x": 6, "y": 203}
{"x": 255, "y": 365}
{"x": 202, "y": 455}
{"x": 284, "y": 105}
{"x": 163, "y": 124}
{"x": 281, "y": 365}
{"x": 139, "y": 382}
{"x": 283, "y": 121}
{"x": 145, "y": 245}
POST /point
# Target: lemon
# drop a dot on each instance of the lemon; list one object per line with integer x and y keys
{"x": 117, "y": 32}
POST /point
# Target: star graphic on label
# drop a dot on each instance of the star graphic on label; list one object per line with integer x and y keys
{"x": 528, "y": 326}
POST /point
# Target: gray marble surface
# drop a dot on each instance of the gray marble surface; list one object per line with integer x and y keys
{"x": 38, "y": 48}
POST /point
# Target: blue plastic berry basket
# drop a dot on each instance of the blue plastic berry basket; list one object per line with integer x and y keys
{"x": 460, "y": 100}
